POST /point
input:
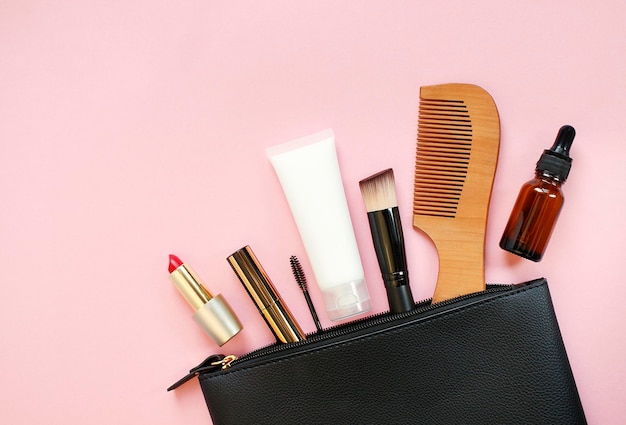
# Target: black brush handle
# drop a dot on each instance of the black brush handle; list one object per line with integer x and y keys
{"x": 388, "y": 238}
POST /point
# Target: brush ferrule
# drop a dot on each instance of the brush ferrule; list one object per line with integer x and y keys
{"x": 395, "y": 279}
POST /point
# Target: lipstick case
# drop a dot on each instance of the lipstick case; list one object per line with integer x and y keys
{"x": 212, "y": 313}
{"x": 260, "y": 288}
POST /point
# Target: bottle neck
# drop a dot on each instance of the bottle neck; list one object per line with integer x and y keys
{"x": 548, "y": 177}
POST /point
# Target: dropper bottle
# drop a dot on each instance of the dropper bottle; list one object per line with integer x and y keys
{"x": 540, "y": 201}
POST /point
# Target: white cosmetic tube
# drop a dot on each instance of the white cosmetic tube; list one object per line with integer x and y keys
{"x": 308, "y": 171}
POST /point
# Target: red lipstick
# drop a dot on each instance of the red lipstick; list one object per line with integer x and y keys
{"x": 174, "y": 263}
{"x": 211, "y": 313}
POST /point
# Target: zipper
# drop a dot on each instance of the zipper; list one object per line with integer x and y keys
{"x": 217, "y": 363}
{"x": 362, "y": 324}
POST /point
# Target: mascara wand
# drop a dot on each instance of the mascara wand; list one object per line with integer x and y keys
{"x": 298, "y": 273}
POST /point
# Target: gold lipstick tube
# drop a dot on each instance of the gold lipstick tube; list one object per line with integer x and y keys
{"x": 212, "y": 313}
{"x": 260, "y": 288}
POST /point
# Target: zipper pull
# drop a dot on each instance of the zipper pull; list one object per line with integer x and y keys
{"x": 225, "y": 362}
{"x": 210, "y": 364}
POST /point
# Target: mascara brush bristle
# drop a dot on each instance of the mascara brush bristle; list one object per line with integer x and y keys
{"x": 298, "y": 273}
{"x": 379, "y": 191}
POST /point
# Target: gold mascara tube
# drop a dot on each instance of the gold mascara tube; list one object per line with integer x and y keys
{"x": 260, "y": 288}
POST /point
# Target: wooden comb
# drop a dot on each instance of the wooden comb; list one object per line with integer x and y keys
{"x": 458, "y": 140}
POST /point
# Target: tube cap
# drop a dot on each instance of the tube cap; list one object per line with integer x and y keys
{"x": 218, "y": 320}
{"x": 346, "y": 300}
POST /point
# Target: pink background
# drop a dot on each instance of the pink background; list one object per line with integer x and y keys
{"x": 132, "y": 130}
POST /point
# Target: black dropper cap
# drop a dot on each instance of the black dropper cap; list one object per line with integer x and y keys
{"x": 556, "y": 160}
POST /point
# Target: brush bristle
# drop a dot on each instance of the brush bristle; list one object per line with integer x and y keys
{"x": 444, "y": 141}
{"x": 298, "y": 273}
{"x": 379, "y": 191}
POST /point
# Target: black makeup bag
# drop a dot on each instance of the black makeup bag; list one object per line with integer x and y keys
{"x": 495, "y": 357}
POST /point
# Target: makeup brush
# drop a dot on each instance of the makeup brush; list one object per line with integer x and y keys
{"x": 379, "y": 195}
{"x": 298, "y": 274}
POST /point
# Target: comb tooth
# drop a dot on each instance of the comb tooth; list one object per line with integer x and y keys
{"x": 438, "y": 207}
{"x": 434, "y": 192}
{"x": 446, "y": 191}
{"x": 440, "y": 201}
{"x": 437, "y": 179}
{"x": 430, "y": 164}
{"x": 444, "y": 156}
{"x": 436, "y": 203}
{"x": 445, "y": 134}
{"x": 444, "y": 142}
{"x": 442, "y": 103}
{"x": 432, "y": 195}
{"x": 437, "y": 198}
{"x": 440, "y": 117}
{"x": 440, "y": 193}
{"x": 431, "y": 202}
{"x": 443, "y": 124}
{"x": 437, "y": 187}
{"x": 441, "y": 175}
{"x": 449, "y": 108}
{"x": 451, "y": 148}
{"x": 435, "y": 212}
{"x": 440, "y": 152}
{"x": 458, "y": 114}
{"x": 455, "y": 109}
{"x": 446, "y": 147}
{"x": 456, "y": 117}
{"x": 433, "y": 207}
{"x": 441, "y": 161}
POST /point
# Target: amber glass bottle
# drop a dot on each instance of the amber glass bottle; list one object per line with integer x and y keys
{"x": 540, "y": 201}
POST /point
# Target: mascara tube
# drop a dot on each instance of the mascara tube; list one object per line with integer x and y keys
{"x": 260, "y": 288}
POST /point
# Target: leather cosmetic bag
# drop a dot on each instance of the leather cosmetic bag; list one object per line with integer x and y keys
{"x": 494, "y": 357}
